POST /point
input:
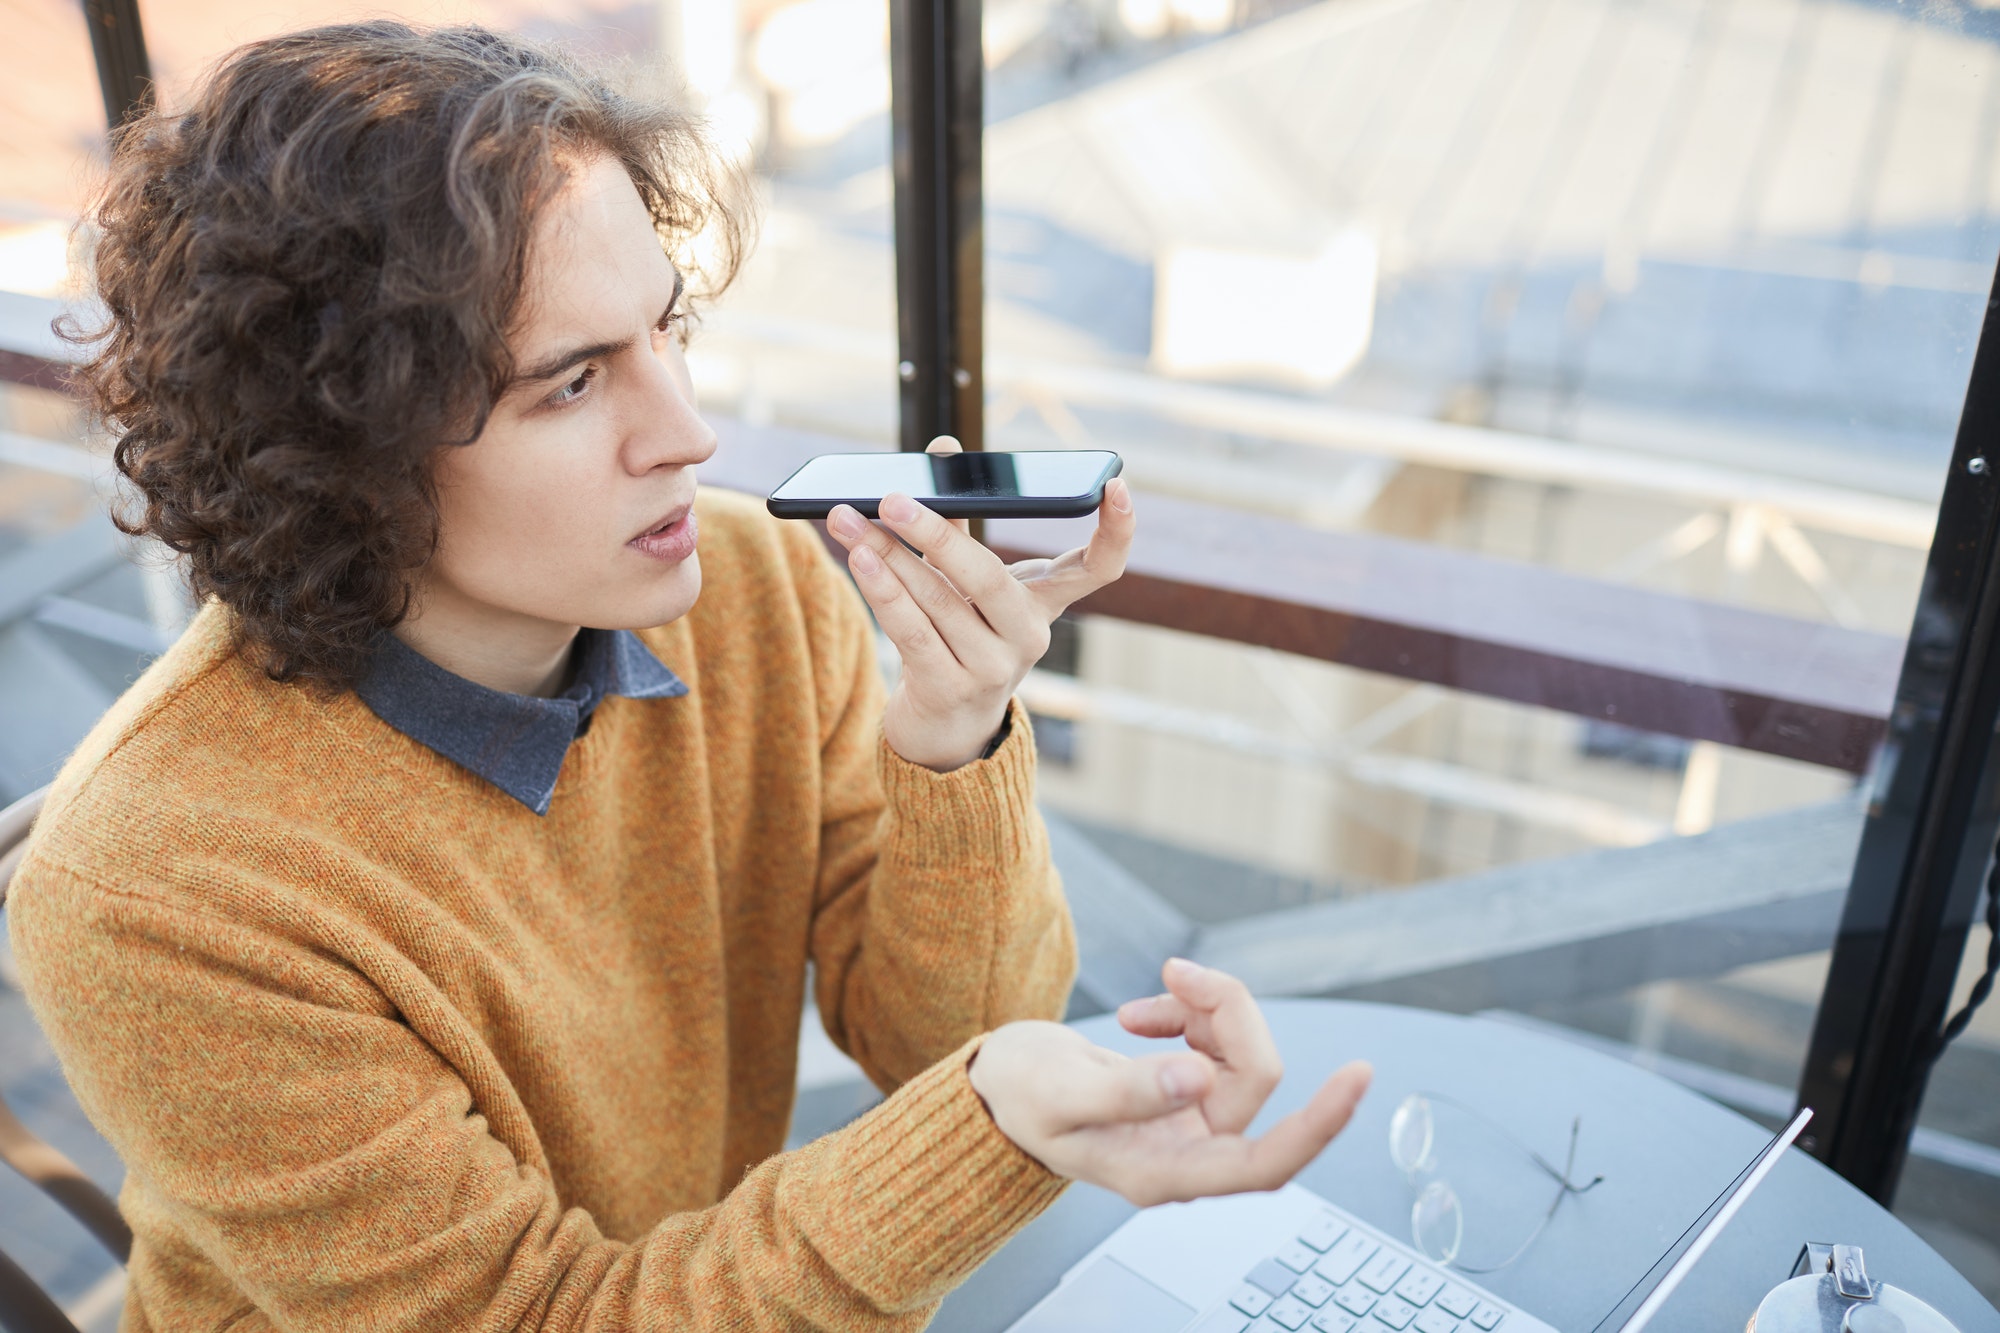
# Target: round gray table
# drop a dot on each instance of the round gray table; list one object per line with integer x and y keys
{"x": 1664, "y": 1152}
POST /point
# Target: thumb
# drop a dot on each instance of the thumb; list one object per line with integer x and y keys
{"x": 1132, "y": 1090}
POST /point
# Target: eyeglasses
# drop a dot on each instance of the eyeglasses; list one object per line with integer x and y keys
{"x": 1437, "y": 1218}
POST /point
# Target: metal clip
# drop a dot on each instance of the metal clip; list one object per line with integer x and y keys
{"x": 1850, "y": 1275}
{"x": 1814, "y": 1259}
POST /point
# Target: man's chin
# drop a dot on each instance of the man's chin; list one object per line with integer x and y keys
{"x": 666, "y": 601}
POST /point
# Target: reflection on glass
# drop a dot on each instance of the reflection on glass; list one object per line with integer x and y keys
{"x": 978, "y": 474}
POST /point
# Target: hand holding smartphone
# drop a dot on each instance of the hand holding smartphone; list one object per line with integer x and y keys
{"x": 1056, "y": 483}
{"x": 967, "y": 627}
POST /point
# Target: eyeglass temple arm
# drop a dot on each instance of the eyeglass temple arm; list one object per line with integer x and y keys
{"x": 1562, "y": 1177}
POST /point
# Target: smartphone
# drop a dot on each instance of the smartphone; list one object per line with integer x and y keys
{"x": 1055, "y": 483}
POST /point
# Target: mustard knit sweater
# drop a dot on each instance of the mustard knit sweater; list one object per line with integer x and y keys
{"x": 381, "y": 1049}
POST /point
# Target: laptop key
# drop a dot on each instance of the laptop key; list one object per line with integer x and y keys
{"x": 1333, "y": 1321}
{"x": 1344, "y": 1260}
{"x": 1312, "y": 1289}
{"x": 1385, "y": 1270}
{"x": 1226, "y": 1320}
{"x": 1419, "y": 1286}
{"x": 1487, "y": 1315}
{"x": 1250, "y": 1300}
{"x": 1435, "y": 1320}
{"x": 1297, "y": 1256}
{"x": 1288, "y": 1313}
{"x": 1457, "y": 1300}
{"x": 1395, "y": 1313}
{"x": 1322, "y": 1232}
{"x": 1272, "y": 1276}
{"x": 1355, "y": 1299}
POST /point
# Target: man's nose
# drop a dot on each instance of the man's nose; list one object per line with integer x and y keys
{"x": 665, "y": 429}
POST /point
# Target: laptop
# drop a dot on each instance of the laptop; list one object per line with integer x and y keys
{"x": 1290, "y": 1262}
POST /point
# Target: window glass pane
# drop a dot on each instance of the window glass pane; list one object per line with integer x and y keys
{"x": 51, "y": 135}
{"x": 51, "y": 140}
{"x": 1675, "y": 298}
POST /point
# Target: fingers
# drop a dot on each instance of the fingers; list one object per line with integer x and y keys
{"x": 1219, "y": 1017}
{"x": 1224, "y": 1020}
{"x": 1131, "y": 1125}
{"x": 1120, "y": 1091}
{"x": 957, "y": 621}
{"x": 1226, "y": 1025}
{"x": 976, "y": 572}
{"x": 987, "y": 618}
{"x": 908, "y": 625}
{"x": 1111, "y": 541}
{"x": 1076, "y": 574}
{"x": 1017, "y": 604}
{"x": 1231, "y": 1165}
{"x": 948, "y": 444}
{"x": 1288, "y": 1146}
{"x": 1055, "y": 1094}
{"x": 1154, "y": 1016}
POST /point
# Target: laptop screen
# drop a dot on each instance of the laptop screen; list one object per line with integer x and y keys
{"x": 1636, "y": 1308}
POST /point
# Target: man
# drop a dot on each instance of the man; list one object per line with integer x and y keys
{"x": 428, "y": 929}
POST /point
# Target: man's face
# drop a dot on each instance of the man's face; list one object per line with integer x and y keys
{"x": 573, "y": 506}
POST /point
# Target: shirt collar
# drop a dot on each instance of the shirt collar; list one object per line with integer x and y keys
{"x": 515, "y": 741}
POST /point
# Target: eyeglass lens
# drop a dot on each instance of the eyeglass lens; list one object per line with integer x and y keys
{"x": 1437, "y": 1223}
{"x": 1413, "y": 1135}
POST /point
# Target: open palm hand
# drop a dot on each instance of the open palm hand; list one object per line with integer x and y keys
{"x": 1165, "y": 1127}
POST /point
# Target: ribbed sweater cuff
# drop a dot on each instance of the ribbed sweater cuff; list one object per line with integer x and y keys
{"x": 926, "y": 1188}
{"x": 983, "y": 811}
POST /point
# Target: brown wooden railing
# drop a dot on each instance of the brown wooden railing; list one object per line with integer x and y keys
{"x": 1705, "y": 671}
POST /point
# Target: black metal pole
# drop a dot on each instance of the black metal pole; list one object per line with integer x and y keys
{"x": 937, "y": 88}
{"x": 1930, "y": 828}
{"x": 25, "y": 1306}
{"x": 124, "y": 74}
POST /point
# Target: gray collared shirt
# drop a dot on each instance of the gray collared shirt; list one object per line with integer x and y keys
{"x": 515, "y": 741}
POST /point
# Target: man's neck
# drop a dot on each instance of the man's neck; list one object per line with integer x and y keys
{"x": 513, "y": 654}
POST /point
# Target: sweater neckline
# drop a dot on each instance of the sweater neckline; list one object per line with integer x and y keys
{"x": 514, "y": 742}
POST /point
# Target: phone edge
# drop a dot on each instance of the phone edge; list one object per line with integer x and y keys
{"x": 1078, "y": 506}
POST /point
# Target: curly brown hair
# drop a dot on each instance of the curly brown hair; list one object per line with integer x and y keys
{"x": 308, "y": 276}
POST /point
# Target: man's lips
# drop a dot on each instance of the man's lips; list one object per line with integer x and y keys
{"x": 671, "y": 539}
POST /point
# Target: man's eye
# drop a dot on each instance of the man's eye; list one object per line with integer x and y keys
{"x": 574, "y": 390}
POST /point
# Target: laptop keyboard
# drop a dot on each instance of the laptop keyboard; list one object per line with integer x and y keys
{"x": 1336, "y": 1277}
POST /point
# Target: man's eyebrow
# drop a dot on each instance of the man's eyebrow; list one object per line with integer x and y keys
{"x": 551, "y": 366}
